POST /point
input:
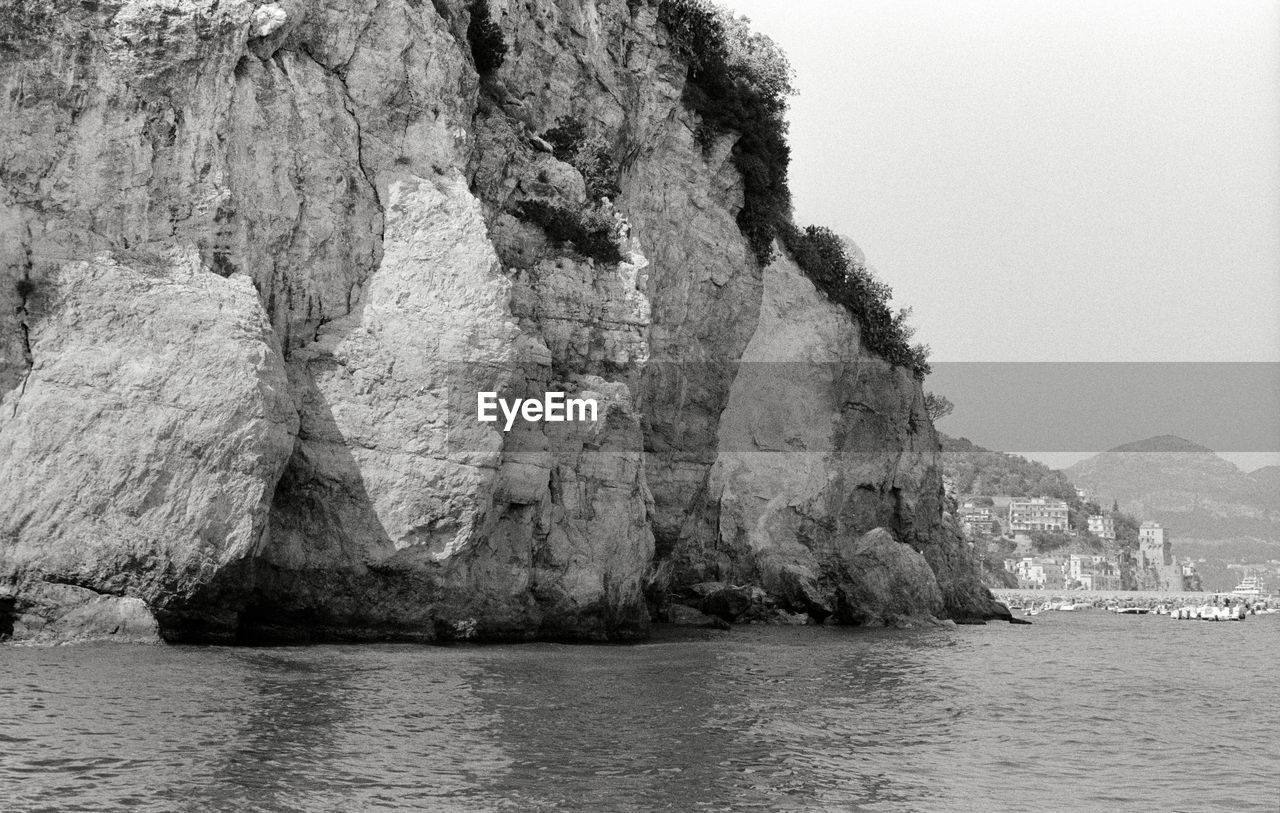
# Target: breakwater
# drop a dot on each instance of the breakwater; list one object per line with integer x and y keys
{"x": 1103, "y": 599}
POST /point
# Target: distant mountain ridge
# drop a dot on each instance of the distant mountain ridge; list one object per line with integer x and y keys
{"x": 1186, "y": 487}
{"x": 1163, "y": 443}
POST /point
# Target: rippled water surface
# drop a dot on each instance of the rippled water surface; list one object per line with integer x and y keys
{"x": 1083, "y": 711}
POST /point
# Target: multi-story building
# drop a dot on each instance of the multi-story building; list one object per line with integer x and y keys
{"x": 1102, "y": 527}
{"x": 1154, "y": 565}
{"x": 1081, "y": 563}
{"x": 1039, "y": 574}
{"x": 1092, "y": 572}
{"x": 1100, "y": 581}
{"x": 1154, "y": 550}
{"x": 1190, "y": 577}
{"x": 1039, "y": 514}
{"x": 977, "y": 520}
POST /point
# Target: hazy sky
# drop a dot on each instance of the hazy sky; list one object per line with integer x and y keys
{"x": 1049, "y": 181}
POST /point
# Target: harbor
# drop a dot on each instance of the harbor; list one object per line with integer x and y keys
{"x": 1180, "y": 605}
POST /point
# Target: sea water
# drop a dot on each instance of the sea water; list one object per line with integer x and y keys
{"x": 1081, "y": 711}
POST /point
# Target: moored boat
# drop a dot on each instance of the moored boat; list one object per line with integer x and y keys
{"x": 1212, "y": 612}
{"x": 1249, "y": 587}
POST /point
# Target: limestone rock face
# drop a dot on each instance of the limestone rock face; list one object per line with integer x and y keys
{"x": 62, "y": 614}
{"x": 705, "y": 289}
{"x": 885, "y": 581}
{"x": 125, "y": 471}
{"x": 258, "y": 261}
{"x": 820, "y": 444}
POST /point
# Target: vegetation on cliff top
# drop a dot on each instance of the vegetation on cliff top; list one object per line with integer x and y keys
{"x": 739, "y": 82}
{"x": 848, "y": 282}
{"x": 975, "y": 470}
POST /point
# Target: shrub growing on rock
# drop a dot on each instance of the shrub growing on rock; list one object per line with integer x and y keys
{"x": 739, "y": 81}
{"x": 24, "y": 21}
{"x": 25, "y": 288}
{"x": 822, "y": 255}
{"x": 488, "y": 48}
{"x": 937, "y": 406}
{"x": 566, "y": 138}
{"x": 587, "y": 152}
{"x": 592, "y": 232}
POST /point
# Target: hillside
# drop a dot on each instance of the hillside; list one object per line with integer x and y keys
{"x": 1186, "y": 487}
{"x": 1267, "y": 481}
{"x": 973, "y": 470}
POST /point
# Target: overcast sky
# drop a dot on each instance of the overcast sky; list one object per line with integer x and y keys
{"x": 1092, "y": 180}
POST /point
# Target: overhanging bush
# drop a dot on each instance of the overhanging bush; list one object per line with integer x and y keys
{"x": 739, "y": 81}
{"x": 822, "y": 256}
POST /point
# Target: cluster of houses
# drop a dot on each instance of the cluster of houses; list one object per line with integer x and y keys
{"x": 1075, "y": 572}
{"x": 1152, "y": 566}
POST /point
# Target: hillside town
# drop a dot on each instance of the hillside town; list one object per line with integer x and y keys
{"x": 1039, "y": 547}
{"x": 1045, "y": 529}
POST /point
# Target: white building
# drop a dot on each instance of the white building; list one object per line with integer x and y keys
{"x": 1102, "y": 527}
{"x": 977, "y": 520}
{"x": 1039, "y": 514}
{"x": 1039, "y": 574}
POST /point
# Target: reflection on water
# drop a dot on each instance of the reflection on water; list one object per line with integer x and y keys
{"x": 760, "y": 721}
{"x": 1088, "y": 711}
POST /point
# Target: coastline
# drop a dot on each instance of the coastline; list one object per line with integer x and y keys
{"x": 1129, "y": 598}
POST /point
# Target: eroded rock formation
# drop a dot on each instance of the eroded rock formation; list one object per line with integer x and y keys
{"x": 258, "y": 259}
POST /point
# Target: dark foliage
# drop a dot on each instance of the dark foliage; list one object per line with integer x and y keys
{"x": 821, "y": 254}
{"x": 25, "y": 288}
{"x": 1049, "y": 541}
{"x": 993, "y": 554}
{"x": 592, "y": 234}
{"x": 24, "y": 21}
{"x": 566, "y": 138}
{"x": 938, "y": 406}
{"x": 975, "y": 470}
{"x": 739, "y": 83}
{"x": 488, "y": 48}
{"x": 586, "y": 152}
{"x": 1126, "y": 529}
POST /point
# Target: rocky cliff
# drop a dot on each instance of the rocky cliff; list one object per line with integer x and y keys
{"x": 258, "y": 260}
